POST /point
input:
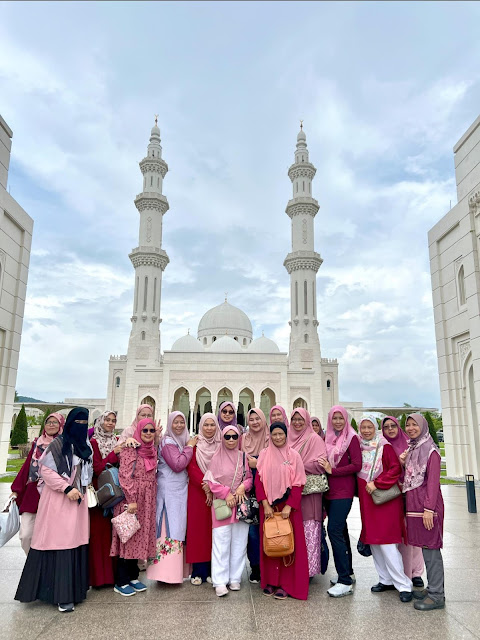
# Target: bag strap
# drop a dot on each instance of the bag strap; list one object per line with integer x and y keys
{"x": 373, "y": 464}
{"x": 235, "y": 474}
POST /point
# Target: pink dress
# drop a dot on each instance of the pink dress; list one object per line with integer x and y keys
{"x": 138, "y": 486}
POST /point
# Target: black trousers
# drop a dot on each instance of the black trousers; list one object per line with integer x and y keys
{"x": 127, "y": 570}
{"x": 338, "y": 511}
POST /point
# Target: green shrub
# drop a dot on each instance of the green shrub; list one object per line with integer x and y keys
{"x": 20, "y": 430}
{"x": 431, "y": 427}
{"x": 354, "y": 424}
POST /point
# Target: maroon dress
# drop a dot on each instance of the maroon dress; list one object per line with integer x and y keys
{"x": 27, "y": 492}
{"x": 383, "y": 523}
{"x": 426, "y": 496}
{"x": 101, "y": 564}
{"x": 199, "y": 517}
{"x": 293, "y": 579}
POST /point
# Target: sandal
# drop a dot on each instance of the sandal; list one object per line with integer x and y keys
{"x": 280, "y": 594}
{"x": 268, "y": 591}
{"x": 196, "y": 581}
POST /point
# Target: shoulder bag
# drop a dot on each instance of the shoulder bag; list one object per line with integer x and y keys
{"x": 315, "y": 482}
{"x": 381, "y": 496}
{"x": 220, "y": 506}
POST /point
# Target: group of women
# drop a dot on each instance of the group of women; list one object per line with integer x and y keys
{"x": 193, "y": 496}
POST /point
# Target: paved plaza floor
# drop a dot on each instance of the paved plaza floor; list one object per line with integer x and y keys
{"x": 185, "y": 611}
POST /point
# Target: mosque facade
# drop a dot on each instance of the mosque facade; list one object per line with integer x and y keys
{"x": 224, "y": 361}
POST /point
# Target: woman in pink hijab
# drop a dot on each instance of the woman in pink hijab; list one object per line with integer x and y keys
{"x": 143, "y": 411}
{"x": 344, "y": 462}
{"x": 303, "y": 439}
{"x": 199, "y": 502}
{"x": 278, "y": 414}
{"x": 24, "y": 487}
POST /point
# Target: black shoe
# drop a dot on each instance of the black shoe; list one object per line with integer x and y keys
{"x": 428, "y": 604}
{"x": 406, "y": 596}
{"x": 420, "y": 595}
{"x": 418, "y": 582}
{"x": 255, "y": 575}
{"x": 378, "y": 588}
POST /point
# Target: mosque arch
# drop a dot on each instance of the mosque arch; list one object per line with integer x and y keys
{"x": 117, "y": 381}
{"x": 267, "y": 401}
{"x": 300, "y": 403}
{"x": 203, "y": 403}
{"x": 462, "y": 299}
{"x": 246, "y": 402}
{"x": 181, "y": 401}
{"x": 225, "y": 394}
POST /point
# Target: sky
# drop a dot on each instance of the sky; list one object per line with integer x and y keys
{"x": 384, "y": 89}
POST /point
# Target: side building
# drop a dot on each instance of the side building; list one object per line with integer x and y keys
{"x": 454, "y": 244}
{"x": 16, "y": 228}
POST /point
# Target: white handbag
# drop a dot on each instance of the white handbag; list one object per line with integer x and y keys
{"x": 91, "y": 497}
{"x": 9, "y": 521}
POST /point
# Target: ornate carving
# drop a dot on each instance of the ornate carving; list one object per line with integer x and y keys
{"x": 295, "y": 322}
{"x": 154, "y": 165}
{"x": 118, "y": 357}
{"x": 159, "y": 260}
{"x": 306, "y": 321}
{"x": 306, "y": 207}
{"x": 303, "y": 170}
{"x": 304, "y": 230}
{"x": 149, "y": 229}
{"x": 316, "y": 323}
{"x": 302, "y": 260}
{"x": 474, "y": 203}
{"x": 464, "y": 349}
{"x": 133, "y": 319}
{"x": 152, "y": 201}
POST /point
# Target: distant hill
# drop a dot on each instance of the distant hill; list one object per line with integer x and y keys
{"x": 27, "y": 399}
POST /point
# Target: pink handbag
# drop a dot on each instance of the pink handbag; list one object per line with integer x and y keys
{"x": 126, "y": 525}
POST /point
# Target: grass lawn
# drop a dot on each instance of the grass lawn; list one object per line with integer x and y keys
{"x": 13, "y": 467}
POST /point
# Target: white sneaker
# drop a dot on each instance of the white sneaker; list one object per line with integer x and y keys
{"x": 334, "y": 581}
{"x": 234, "y": 586}
{"x": 340, "y": 590}
{"x": 196, "y": 581}
{"x": 209, "y": 580}
{"x": 221, "y": 591}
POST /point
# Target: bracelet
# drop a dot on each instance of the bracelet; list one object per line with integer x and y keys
{"x": 68, "y": 489}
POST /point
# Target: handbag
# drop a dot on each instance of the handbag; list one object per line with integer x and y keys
{"x": 9, "y": 521}
{"x": 324, "y": 552}
{"x": 91, "y": 497}
{"x": 126, "y": 525}
{"x": 220, "y": 506}
{"x": 248, "y": 511}
{"x": 109, "y": 492}
{"x": 364, "y": 549}
{"x": 315, "y": 483}
{"x": 278, "y": 540}
{"x": 381, "y": 496}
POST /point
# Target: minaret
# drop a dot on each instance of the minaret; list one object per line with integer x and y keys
{"x": 149, "y": 259}
{"x": 303, "y": 263}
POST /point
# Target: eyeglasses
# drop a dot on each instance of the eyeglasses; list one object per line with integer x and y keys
{"x": 231, "y": 436}
{"x": 227, "y": 412}
{"x": 148, "y": 430}
{"x": 51, "y": 423}
{"x": 390, "y": 426}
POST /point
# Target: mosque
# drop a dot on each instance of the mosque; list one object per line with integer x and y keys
{"x": 224, "y": 361}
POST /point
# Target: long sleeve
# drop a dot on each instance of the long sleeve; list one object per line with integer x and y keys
{"x": 219, "y": 490}
{"x": 355, "y": 454}
{"x": 248, "y": 479}
{"x": 392, "y": 469}
{"x": 195, "y": 474}
{"x": 176, "y": 460}
{"x": 259, "y": 489}
{"x": 294, "y": 500}
{"x": 433, "y": 481}
{"x": 20, "y": 482}
{"x": 125, "y": 472}
{"x": 54, "y": 480}
{"x": 100, "y": 463}
{"x": 314, "y": 467}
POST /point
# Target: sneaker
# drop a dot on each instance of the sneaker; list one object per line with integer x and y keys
{"x": 254, "y": 579}
{"x": 138, "y": 586}
{"x": 221, "y": 591}
{"x": 340, "y": 590}
{"x": 234, "y": 586}
{"x": 418, "y": 582}
{"x": 209, "y": 580}
{"x": 334, "y": 581}
{"x": 126, "y": 590}
{"x": 66, "y": 608}
{"x": 196, "y": 581}
{"x": 428, "y": 604}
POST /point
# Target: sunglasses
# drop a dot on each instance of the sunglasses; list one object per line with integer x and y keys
{"x": 148, "y": 430}
{"x": 231, "y": 436}
{"x": 227, "y": 412}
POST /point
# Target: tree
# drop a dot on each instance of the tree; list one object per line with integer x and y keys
{"x": 20, "y": 430}
{"x": 354, "y": 424}
{"x": 431, "y": 427}
{"x": 403, "y": 420}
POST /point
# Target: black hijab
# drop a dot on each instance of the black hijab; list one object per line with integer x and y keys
{"x": 75, "y": 435}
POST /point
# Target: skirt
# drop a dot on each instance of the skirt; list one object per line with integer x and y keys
{"x": 168, "y": 565}
{"x": 57, "y": 577}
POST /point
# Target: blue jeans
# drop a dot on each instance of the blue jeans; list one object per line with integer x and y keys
{"x": 253, "y": 546}
{"x": 338, "y": 511}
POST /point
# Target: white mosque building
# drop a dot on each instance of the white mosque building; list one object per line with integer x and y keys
{"x": 224, "y": 361}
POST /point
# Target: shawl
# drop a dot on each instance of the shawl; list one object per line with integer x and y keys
{"x": 41, "y": 444}
{"x": 400, "y": 442}
{"x": 372, "y": 451}
{"x": 337, "y": 442}
{"x": 170, "y": 437}
{"x": 254, "y": 441}
{"x": 146, "y": 451}
{"x": 283, "y": 412}
{"x": 223, "y": 424}
{"x": 310, "y": 447}
{"x": 419, "y": 451}
{"x": 223, "y": 464}
{"x": 206, "y": 447}
{"x": 280, "y": 468}
{"x": 106, "y": 440}
{"x": 321, "y": 432}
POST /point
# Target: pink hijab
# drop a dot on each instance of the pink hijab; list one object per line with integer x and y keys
{"x": 41, "y": 443}
{"x": 321, "y": 432}
{"x": 338, "y": 442}
{"x": 254, "y": 441}
{"x": 224, "y": 462}
{"x": 280, "y": 468}
{"x": 206, "y": 447}
{"x": 129, "y": 431}
{"x": 306, "y": 442}
{"x": 146, "y": 451}
{"x": 283, "y": 412}
{"x": 223, "y": 424}
{"x": 170, "y": 436}
{"x": 419, "y": 451}
{"x": 400, "y": 442}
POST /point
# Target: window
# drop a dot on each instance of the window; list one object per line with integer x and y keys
{"x": 297, "y": 186}
{"x": 303, "y": 188}
{"x": 204, "y": 341}
{"x": 462, "y": 299}
{"x": 328, "y": 385}
{"x": 302, "y": 158}
{"x": 305, "y": 338}
{"x": 154, "y": 294}
{"x": 145, "y": 292}
{"x": 214, "y": 338}
{"x": 151, "y": 181}
{"x": 117, "y": 381}
{"x": 244, "y": 342}
{"x": 296, "y": 298}
{"x": 236, "y": 338}
{"x": 305, "y": 308}
{"x": 143, "y": 335}
{"x": 158, "y": 183}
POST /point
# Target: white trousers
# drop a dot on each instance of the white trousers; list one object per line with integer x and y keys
{"x": 229, "y": 553}
{"x": 27, "y": 521}
{"x": 389, "y": 565}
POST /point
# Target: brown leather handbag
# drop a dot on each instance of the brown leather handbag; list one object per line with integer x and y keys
{"x": 278, "y": 540}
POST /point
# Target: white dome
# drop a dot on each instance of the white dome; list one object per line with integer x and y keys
{"x": 225, "y": 319}
{"x": 187, "y": 344}
{"x": 226, "y": 344}
{"x": 264, "y": 345}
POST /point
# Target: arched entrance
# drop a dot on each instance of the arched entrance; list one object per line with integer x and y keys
{"x": 300, "y": 403}
{"x": 224, "y": 395}
{"x": 149, "y": 400}
{"x": 244, "y": 405}
{"x": 181, "y": 402}
{"x": 203, "y": 404}
{"x": 267, "y": 401}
